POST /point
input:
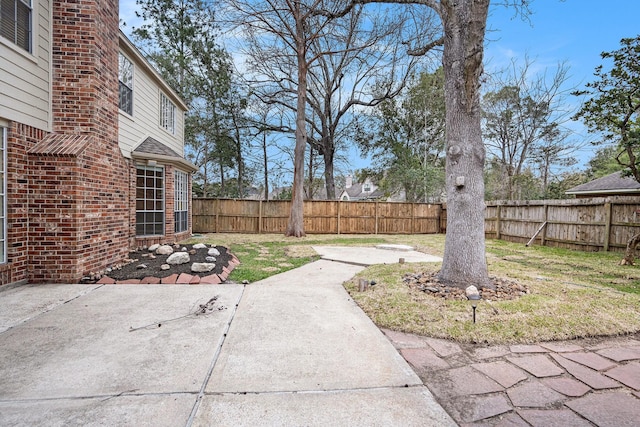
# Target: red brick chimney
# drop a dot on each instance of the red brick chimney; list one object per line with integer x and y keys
{"x": 79, "y": 203}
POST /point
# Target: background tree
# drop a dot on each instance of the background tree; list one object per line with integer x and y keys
{"x": 358, "y": 52}
{"x": 523, "y": 121}
{"x": 613, "y": 105}
{"x": 613, "y": 110}
{"x": 405, "y": 138}
{"x": 283, "y": 30}
{"x": 179, "y": 38}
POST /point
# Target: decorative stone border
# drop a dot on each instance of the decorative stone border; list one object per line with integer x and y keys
{"x": 175, "y": 279}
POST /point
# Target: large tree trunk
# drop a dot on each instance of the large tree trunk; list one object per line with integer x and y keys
{"x": 329, "y": 180}
{"x": 295, "y": 226}
{"x": 464, "y": 260}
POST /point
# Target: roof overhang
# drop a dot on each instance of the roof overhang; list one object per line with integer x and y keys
{"x": 613, "y": 191}
{"x": 179, "y": 162}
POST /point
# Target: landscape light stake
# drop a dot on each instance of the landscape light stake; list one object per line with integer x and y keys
{"x": 474, "y": 298}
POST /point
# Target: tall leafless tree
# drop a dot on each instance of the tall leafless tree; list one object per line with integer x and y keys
{"x": 361, "y": 62}
{"x": 284, "y": 30}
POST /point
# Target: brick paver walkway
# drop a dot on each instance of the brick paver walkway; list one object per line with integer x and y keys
{"x": 569, "y": 383}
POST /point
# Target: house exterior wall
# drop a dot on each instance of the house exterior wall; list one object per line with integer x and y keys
{"x": 144, "y": 122}
{"x": 25, "y": 78}
{"x": 70, "y": 207}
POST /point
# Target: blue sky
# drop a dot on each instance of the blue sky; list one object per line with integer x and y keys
{"x": 575, "y": 31}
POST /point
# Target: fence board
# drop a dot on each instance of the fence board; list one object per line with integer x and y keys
{"x": 581, "y": 224}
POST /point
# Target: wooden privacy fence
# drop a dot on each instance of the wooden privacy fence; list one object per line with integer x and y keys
{"x": 320, "y": 217}
{"x": 581, "y": 224}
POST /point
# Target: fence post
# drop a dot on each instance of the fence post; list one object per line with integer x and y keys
{"x": 543, "y": 238}
{"x": 376, "y": 215}
{"x": 607, "y": 226}
{"x": 260, "y": 217}
{"x": 413, "y": 218}
{"x": 338, "y": 227}
{"x": 498, "y": 214}
{"x": 217, "y": 208}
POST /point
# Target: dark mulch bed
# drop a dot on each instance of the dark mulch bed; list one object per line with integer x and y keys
{"x": 131, "y": 270}
{"x": 429, "y": 284}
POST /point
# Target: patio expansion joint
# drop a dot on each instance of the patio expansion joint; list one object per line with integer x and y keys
{"x": 315, "y": 391}
{"x": 202, "y": 393}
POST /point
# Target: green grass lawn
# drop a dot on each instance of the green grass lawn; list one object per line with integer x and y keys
{"x": 572, "y": 294}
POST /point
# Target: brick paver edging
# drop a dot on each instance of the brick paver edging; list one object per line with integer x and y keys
{"x": 178, "y": 279}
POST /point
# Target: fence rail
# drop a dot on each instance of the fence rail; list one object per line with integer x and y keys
{"x": 582, "y": 224}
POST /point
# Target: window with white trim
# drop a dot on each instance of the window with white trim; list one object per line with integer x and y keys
{"x": 125, "y": 77}
{"x": 16, "y": 22}
{"x": 181, "y": 201}
{"x": 149, "y": 200}
{"x": 167, "y": 114}
{"x": 3, "y": 195}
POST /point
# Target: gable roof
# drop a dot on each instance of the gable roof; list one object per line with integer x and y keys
{"x": 613, "y": 183}
{"x": 356, "y": 192}
{"x": 152, "y": 149}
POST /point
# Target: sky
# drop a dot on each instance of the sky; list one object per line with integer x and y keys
{"x": 574, "y": 31}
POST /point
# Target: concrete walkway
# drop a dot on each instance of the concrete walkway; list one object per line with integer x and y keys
{"x": 290, "y": 350}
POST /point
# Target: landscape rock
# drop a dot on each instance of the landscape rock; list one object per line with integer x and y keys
{"x": 178, "y": 258}
{"x": 165, "y": 267}
{"x": 202, "y": 267}
{"x": 210, "y": 259}
{"x": 164, "y": 250}
{"x": 199, "y": 246}
{"x": 141, "y": 266}
{"x": 153, "y": 248}
{"x": 213, "y": 252}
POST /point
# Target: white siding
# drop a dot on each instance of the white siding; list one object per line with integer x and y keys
{"x": 145, "y": 121}
{"x": 25, "y": 78}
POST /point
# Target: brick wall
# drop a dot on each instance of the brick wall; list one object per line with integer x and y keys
{"x": 79, "y": 203}
{"x": 20, "y": 139}
{"x": 71, "y": 193}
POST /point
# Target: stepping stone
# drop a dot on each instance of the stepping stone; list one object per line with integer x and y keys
{"x": 527, "y": 349}
{"x": 588, "y": 376}
{"x": 212, "y": 279}
{"x": 628, "y": 375}
{"x": 502, "y": 372}
{"x": 590, "y": 360}
{"x": 619, "y": 354}
{"x": 444, "y": 348}
{"x": 613, "y": 409}
{"x": 553, "y": 417}
{"x": 466, "y": 381}
{"x": 471, "y": 409}
{"x": 534, "y": 394}
{"x": 537, "y": 365}
{"x": 402, "y": 340}
{"x": 423, "y": 358}
{"x": 150, "y": 280}
{"x": 567, "y": 386}
{"x": 561, "y": 348}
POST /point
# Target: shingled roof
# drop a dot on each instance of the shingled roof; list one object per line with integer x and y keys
{"x": 152, "y": 149}
{"x": 610, "y": 184}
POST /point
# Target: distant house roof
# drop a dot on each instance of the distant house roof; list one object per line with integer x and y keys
{"x": 613, "y": 184}
{"x": 151, "y": 149}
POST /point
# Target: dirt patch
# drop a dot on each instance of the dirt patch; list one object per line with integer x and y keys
{"x": 429, "y": 284}
{"x": 133, "y": 267}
